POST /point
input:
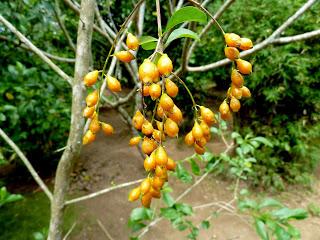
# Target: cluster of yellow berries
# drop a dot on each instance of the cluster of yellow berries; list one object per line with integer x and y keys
{"x": 237, "y": 90}
{"x": 92, "y": 99}
{"x": 157, "y": 163}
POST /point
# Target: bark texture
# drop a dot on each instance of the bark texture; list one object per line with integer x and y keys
{"x": 74, "y": 144}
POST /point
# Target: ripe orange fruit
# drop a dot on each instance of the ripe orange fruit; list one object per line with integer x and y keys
{"x": 132, "y": 42}
{"x": 88, "y": 112}
{"x": 157, "y": 135}
{"x": 227, "y": 116}
{"x": 154, "y": 91}
{"x": 171, "y": 128}
{"x": 236, "y": 92}
{"x": 171, "y": 164}
{"x": 145, "y": 186}
{"x": 124, "y": 56}
{"x": 244, "y": 66}
{"x": 88, "y": 137}
{"x": 91, "y": 78}
{"x": 146, "y": 200}
{"x": 94, "y": 125}
{"x": 147, "y": 146}
{"x": 207, "y": 115}
{"x": 159, "y": 125}
{"x": 224, "y": 108}
{"x": 146, "y": 89}
{"x": 198, "y": 149}
{"x": 155, "y": 193}
{"x": 149, "y": 163}
{"x": 205, "y": 128}
{"x": 161, "y": 156}
{"x": 197, "y": 132}
{"x": 148, "y": 71}
{"x": 236, "y": 78}
{"x": 189, "y": 139}
{"x": 231, "y": 52}
{"x": 107, "y": 129}
{"x": 164, "y": 65}
{"x": 138, "y": 120}
{"x": 232, "y": 39}
{"x": 175, "y": 114}
{"x": 201, "y": 142}
{"x": 245, "y": 43}
{"x": 207, "y": 137}
{"x": 245, "y": 92}
{"x": 134, "y": 194}
{"x": 92, "y": 98}
{"x": 171, "y": 88}
{"x": 160, "y": 112}
{"x": 113, "y": 84}
{"x": 166, "y": 102}
{"x": 161, "y": 171}
{"x": 235, "y": 104}
{"x": 147, "y": 128}
{"x": 134, "y": 141}
{"x": 157, "y": 183}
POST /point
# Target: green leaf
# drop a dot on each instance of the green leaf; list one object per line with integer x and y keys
{"x": 270, "y": 202}
{"x": 169, "y": 201}
{"x": 281, "y": 233}
{"x": 195, "y": 167}
{"x": 184, "y": 208}
{"x": 181, "y": 33}
{"x": 183, "y": 174}
{"x": 205, "y": 224}
{"x": 247, "y": 204}
{"x": 138, "y": 214}
{"x": 169, "y": 213}
{"x": 263, "y": 140}
{"x": 294, "y": 232}
{"x": 261, "y": 230}
{"x": 135, "y": 226}
{"x": 186, "y": 14}
{"x": 287, "y": 213}
{"x": 148, "y": 42}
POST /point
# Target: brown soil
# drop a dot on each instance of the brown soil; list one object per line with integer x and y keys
{"x": 109, "y": 161}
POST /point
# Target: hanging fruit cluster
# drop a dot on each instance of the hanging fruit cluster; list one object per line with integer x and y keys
{"x": 92, "y": 100}
{"x": 237, "y": 90}
{"x": 157, "y": 162}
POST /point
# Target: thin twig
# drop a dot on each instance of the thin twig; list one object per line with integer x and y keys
{"x": 70, "y": 230}
{"x": 104, "y": 230}
{"x": 36, "y": 50}
{"x": 101, "y": 192}
{"x": 27, "y": 163}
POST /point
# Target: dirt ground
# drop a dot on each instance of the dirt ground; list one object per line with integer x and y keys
{"x": 109, "y": 161}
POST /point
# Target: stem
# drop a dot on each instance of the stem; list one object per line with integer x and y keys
{"x": 159, "y": 18}
{"x": 198, "y": 5}
{"x": 194, "y": 105}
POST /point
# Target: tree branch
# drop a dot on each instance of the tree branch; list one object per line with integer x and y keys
{"x": 26, "y": 162}
{"x": 270, "y": 40}
{"x": 57, "y": 12}
{"x": 101, "y": 192}
{"x": 299, "y": 37}
{"x": 49, "y": 55}
{"x": 36, "y": 50}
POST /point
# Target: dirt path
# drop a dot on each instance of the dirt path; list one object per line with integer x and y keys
{"x": 109, "y": 160}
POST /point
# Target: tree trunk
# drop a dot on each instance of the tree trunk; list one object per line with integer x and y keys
{"x": 74, "y": 143}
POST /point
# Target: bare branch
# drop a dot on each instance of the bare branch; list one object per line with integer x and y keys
{"x": 70, "y": 231}
{"x": 57, "y": 12}
{"x": 270, "y": 40}
{"x": 36, "y": 50}
{"x": 179, "y": 5}
{"x": 27, "y": 163}
{"x": 104, "y": 230}
{"x": 101, "y": 192}
{"x": 299, "y": 37}
{"x": 140, "y": 21}
{"x": 51, "y": 56}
